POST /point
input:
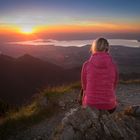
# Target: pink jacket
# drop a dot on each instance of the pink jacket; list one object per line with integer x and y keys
{"x": 99, "y": 78}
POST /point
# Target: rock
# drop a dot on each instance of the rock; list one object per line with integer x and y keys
{"x": 133, "y": 110}
{"x": 62, "y": 104}
{"x": 71, "y": 101}
{"x": 66, "y": 118}
{"x": 68, "y": 133}
{"x": 88, "y": 124}
{"x": 38, "y": 138}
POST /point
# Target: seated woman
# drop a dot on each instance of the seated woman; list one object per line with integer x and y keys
{"x": 99, "y": 78}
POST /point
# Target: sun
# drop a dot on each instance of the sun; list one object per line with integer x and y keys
{"x": 27, "y": 30}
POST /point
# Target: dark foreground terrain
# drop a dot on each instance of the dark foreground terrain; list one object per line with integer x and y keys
{"x": 58, "y": 126}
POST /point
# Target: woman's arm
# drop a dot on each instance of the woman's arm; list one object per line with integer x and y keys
{"x": 83, "y": 83}
{"x": 83, "y": 76}
{"x": 116, "y": 77}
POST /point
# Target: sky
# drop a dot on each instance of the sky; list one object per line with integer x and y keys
{"x": 69, "y": 16}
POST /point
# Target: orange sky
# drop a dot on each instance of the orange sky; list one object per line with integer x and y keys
{"x": 90, "y": 27}
{"x": 78, "y": 27}
{"x": 67, "y": 16}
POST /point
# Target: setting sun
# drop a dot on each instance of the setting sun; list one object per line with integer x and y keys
{"x": 27, "y": 30}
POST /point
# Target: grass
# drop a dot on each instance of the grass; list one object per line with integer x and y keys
{"x": 59, "y": 90}
{"x": 133, "y": 81}
{"x": 22, "y": 119}
{"x": 33, "y": 113}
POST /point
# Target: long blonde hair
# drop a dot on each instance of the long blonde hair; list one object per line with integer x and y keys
{"x": 100, "y": 45}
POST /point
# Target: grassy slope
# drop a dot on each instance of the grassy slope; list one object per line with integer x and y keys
{"x": 34, "y": 112}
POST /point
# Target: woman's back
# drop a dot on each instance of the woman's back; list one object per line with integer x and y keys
{"x": 99, "y": 75}
{"x": 100, "y": 72}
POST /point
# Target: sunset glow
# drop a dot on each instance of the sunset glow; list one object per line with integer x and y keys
{"x": 27, "y": 30}
{"x": 75, "y": 27}
{"x": 57, "y": 17}
{"x": 88, "y": 27}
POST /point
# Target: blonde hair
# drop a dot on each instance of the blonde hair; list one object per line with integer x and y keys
{"x": 100, "y": 45}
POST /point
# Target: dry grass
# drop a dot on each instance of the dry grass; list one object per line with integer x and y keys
{"x": 33, "y": 113}
{"x": 133, "y": 81}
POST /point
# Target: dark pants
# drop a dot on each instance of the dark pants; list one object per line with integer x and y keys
{"x": 110, "y": 110}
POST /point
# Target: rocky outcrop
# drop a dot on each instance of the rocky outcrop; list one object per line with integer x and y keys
{"x": 88, "y": 124}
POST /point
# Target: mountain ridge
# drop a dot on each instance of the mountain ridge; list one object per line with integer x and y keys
{"x": 26, "y": 75}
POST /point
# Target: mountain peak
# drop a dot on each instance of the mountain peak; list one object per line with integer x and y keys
{"x": 5, "y": 57}
{"x": 27, "y": 57}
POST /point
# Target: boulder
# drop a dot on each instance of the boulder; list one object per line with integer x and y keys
{"x": 88, "y": 124}
{"x": 61, "y": 104}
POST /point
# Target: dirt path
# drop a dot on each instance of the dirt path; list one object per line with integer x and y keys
{"x": 127, "y": 94}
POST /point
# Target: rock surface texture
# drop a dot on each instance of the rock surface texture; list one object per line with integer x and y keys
{"x": 71, "y": 122}
{"x": 88, "y": 124}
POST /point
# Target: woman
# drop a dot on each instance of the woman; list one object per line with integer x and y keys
{"x": 99, "y": 78}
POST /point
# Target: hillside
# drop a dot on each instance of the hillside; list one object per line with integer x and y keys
{"x": 42, "y": 119}
{"x": 22, "y": 77}
{"x": 35, "y": 67}
{"x": 128, "y": 58}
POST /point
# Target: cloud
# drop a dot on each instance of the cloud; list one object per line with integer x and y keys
{"x": 78, "y": 43}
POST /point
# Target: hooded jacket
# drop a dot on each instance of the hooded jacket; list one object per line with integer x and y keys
{"x": 99, "y": 78}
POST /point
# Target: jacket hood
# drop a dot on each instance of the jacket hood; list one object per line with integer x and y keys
{"x": 100, "y": 59}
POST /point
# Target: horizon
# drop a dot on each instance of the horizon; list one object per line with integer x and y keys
{"x": 75, "y": 43}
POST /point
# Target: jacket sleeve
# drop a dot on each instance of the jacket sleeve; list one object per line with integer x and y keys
{"x": 83, "y": 76}
{"x": 116, "y": 76}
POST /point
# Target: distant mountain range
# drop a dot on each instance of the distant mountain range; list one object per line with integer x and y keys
{"x": 128, "y": 58}
{"x": 23, "y": 75}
